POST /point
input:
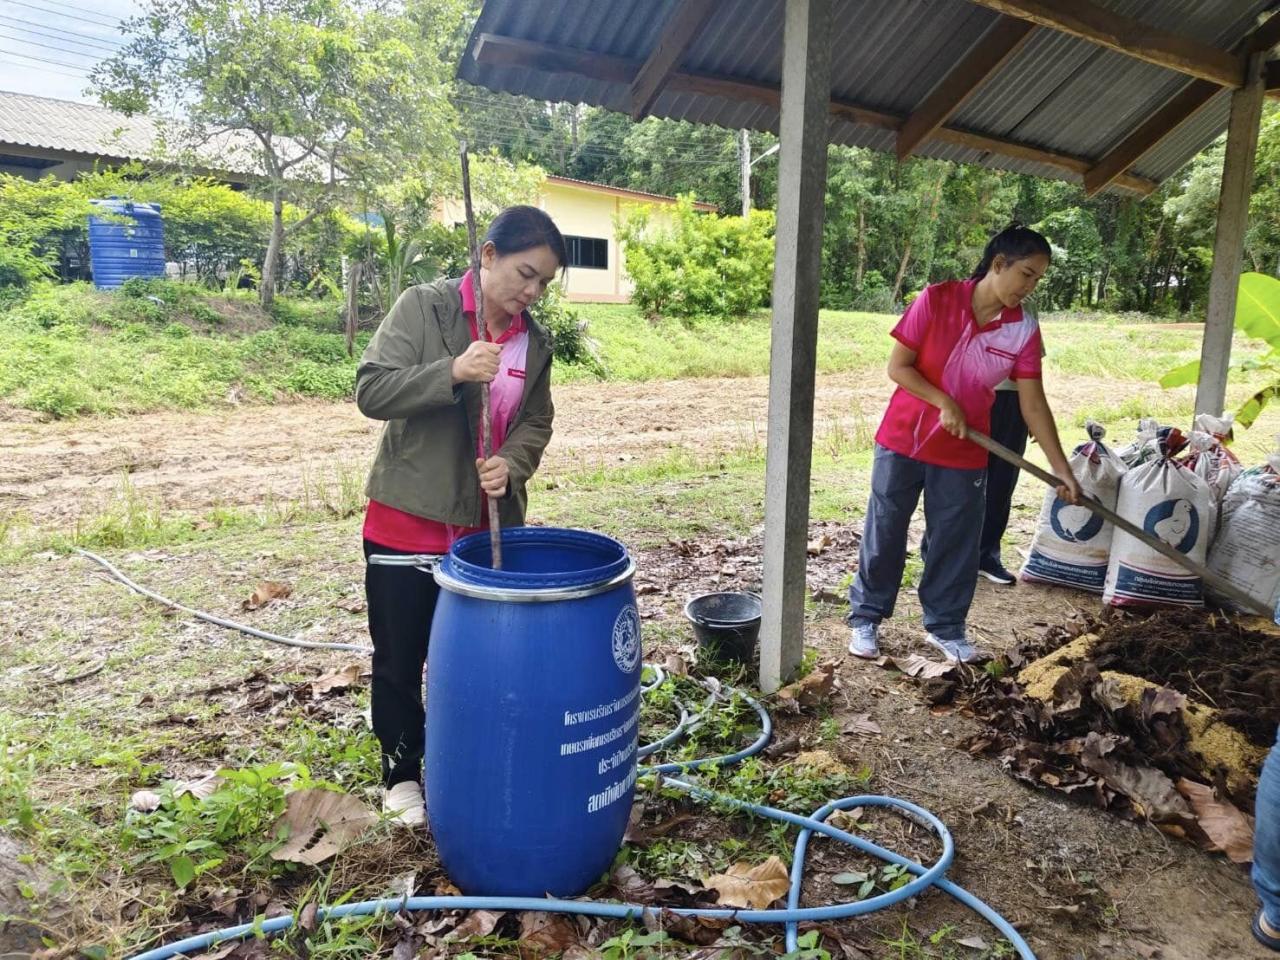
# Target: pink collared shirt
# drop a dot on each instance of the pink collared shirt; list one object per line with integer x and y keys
{"x": 966, "y": 362}
{"x": 399, "y": 530}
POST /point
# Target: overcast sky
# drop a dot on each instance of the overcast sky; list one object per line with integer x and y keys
{"x": 48, "y": 47}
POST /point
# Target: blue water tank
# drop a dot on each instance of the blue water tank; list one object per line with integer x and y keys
{"x": 119, "y": 250}
{"x": 532, "y": 711}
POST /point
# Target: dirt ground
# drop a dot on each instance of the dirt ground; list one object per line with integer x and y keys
{"x": 1081, "y": 884}
{"x": 54, "y": 472}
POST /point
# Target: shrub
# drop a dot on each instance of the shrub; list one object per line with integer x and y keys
{"x": 568, "y": 328}
{"x": 703, "y": 265}
{"x": 312, "y": 379}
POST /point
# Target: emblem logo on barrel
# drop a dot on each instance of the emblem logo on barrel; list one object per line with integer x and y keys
{"x": 626, "y": 639}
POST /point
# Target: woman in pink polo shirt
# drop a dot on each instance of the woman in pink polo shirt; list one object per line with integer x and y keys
{"x": 430, "y": 483}
{"x": 955, "y": 343}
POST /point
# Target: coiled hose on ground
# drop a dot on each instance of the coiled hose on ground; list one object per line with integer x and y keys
{"x": 793, "y": 914}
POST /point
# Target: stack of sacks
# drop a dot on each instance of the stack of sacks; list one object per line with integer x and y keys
{"x": 1072, "y": 544}
{"x": 1143, "y": 447}
{"x": 1172, "y": 504}
{"x": 1208, "y": 455}
{"x": 1247, "y": 548}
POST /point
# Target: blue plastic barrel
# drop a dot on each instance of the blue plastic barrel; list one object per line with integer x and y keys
{"x": 532, "y": 705}
{"x": 118, "y": 249}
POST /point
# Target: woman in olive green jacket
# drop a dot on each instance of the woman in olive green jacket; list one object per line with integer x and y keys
{"x": 430, "y": 483}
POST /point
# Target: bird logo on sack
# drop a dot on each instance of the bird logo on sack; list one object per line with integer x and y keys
{"x": 1176, "y": 522}
{"x": 626, "y": 639}
{"x": 1074, "y": 523}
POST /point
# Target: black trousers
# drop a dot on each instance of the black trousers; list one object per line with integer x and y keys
{"x": 1008, "y": 428}
{"x": 401, "y": 603}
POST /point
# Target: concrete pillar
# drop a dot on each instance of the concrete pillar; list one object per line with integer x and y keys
{"x": 802, "y": 177}
{"x": 1228, "y": 243}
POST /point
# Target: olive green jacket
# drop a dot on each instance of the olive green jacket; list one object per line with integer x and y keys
{"x": 426, "y": 460}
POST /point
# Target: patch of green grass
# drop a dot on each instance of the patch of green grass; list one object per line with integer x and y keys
{"x": 938, "y": 945}
{"x": 633, "y": 347}
{"x": 69, "y": 350}
{"x": 1120, "y": 349}
{"x": 131, "y": 520}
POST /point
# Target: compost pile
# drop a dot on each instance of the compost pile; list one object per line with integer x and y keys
{"x": 1124, "y": 745}
{"x": 1230, "y": 663}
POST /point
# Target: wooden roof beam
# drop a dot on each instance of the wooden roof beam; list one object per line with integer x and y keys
{"x": 511, "y": 52}
{"x": 1174, "y": 113}
{"x": 1005, "y": 38}
{"x": 681, "y": 28}
{"x": 1092, "y": 22}
{"x": 1150, "y": 135}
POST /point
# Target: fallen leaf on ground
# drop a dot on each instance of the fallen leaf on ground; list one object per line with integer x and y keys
{"x": 674, "y": 664}
{"x": 631, "y": 887}
{"x": 748, "y": 885}
{"x": 265, "y": 592}
{"x": 780, "y": 748}
{"x": 1230, "y": 829}
{"x": 546, "y": 933}
{"x": 917, "y": 666}
{"x": 688, "y": 889}
{"x": 479, "y": 923}
{"x": 342, "y": 679}
{"x": 144, "y": 801}
{"x": 811, "y": 690}
{"x": 200, "y": 788}
{"x": 974, "y": 943}
{"x": 307, "y": 919}
{"x": 636, "y": 832}
{"x": 320, "y": 822}
{"x": 861, "y": 724}
{"x": 702, "y": 931}
{"x": 845, "y": 820}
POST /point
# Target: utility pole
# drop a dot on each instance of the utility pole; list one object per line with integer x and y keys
{"x": 744, "y": 157}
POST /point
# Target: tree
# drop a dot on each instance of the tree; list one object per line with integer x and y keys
{"x": 321, "y": 97}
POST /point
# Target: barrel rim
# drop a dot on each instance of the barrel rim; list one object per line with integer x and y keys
{"x": 535, "y": 595}
{"x": 602, "y": 558}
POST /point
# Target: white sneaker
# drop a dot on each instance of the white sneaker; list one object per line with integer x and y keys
{"x": 958, "y": 651}
{"x": 404, "y": 804}
{"x": 863, "y": 640}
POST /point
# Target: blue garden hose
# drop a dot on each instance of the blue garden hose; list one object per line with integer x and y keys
{"x": 791, "y": 917}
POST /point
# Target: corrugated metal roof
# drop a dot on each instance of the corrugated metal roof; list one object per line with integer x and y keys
{"x": 43, "y": 123}
{"x": 1057, "y": 93}
{"x": 626, "y": 191}
{"x": 75, "y": 127}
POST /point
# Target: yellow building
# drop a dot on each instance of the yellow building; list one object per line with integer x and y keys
{"x": 587, "y": 214}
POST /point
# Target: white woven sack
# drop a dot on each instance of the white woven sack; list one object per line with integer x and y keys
{"x": 1247, "y": 548}
{"x": 1072, "y": 544}
{"x": 1172, "y": 504}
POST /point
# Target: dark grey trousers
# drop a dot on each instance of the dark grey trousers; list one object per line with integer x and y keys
{"x": 1007, "y": 427}
{"x": 953, "y": 508}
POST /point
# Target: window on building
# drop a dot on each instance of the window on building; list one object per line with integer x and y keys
{"x": 590, "y": 252}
